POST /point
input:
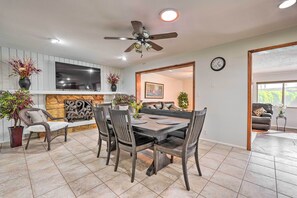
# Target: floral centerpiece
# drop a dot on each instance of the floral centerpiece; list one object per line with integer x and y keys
{"x": 10, "y": 106}
{"x": 281, "y": 110}
{"x": 24, "y": 69}
{"x": 136, "y": 106}
{"x": 113, "y": 79}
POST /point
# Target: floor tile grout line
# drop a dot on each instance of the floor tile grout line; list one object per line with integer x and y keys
{"x": 244, "y": 174}
{"x": 275, "y": 177}
{"x": 217, "y": 170}
{"x": 28, "y": 172}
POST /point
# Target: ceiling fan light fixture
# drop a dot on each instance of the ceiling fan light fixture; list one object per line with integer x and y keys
{"x": 286, "y": 4}
{"x": 147, "y": 46}
{"x": 137, "y": 45}
{"x": 169, "y": 15}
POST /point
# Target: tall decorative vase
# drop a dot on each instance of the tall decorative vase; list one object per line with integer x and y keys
{"x": 113, "y": 87}
{"x": 16, "y": 136}
{"x": 25, "y": 83}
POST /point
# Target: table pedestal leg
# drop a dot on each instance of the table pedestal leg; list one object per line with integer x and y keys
{"x": 162, "y": 162}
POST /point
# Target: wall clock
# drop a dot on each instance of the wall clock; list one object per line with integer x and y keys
{"x": 218, "y": 63}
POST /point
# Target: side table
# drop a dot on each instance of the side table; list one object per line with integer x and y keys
{"x": 282, "y": 117}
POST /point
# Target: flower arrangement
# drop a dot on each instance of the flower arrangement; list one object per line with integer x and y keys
{"x": 281, "y": 110}
{"x": 113, "y": 79}
{"x": 23, "y": 68}
{"x": 137, "y": 106}
{"x": 123, "y": 99}
{"x": 12, "y": 103}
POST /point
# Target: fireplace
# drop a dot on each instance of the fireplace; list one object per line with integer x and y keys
{"x": 76, "y": 110}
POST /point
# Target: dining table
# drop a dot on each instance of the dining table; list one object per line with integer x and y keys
{"x": 158, "y": 126}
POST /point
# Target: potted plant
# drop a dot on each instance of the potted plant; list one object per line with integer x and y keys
{"x": 121, "y": 99}
{"x": 24, "y": 69}
{"x": 10, "y": 105}
{"x": 183, "y": 100}
{"x": 113, "y": 80}
{"x": 281, "y": 110}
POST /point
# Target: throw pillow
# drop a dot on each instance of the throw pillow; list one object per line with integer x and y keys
{"x": 37, "y": 116}
{"x": 158, "y": 106}
{"x": 165, "y": 107}
{"x": 259, "y": 112}
{"x": 168, "y": 105}
{"x": 151, "y": 107}
{"x": 174, "y": 108}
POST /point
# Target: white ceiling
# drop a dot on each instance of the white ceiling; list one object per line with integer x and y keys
{"x": 181, "y": 73}
{"x": 83, "y": 24}
{"x": 276, "y": 60}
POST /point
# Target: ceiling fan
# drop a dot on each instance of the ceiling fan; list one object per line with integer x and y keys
{"x": 142, "y": 38}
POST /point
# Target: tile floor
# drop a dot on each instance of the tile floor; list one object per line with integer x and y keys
{"x": 72, "y": 170}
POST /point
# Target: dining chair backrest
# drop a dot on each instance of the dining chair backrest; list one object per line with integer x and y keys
{"x": 101, "y": 121}
{"x": 195, "y": 128}
{"x": 106, "y": 107}
{"x": 121, "y": 122}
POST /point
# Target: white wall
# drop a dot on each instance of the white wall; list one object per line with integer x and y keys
{"x": 188, "y": 88}
{"x": 291, "y": 113}
{"x": 44, "y": 81}
{"x": 224, "y": 93}
{"x": 172, "y": 86}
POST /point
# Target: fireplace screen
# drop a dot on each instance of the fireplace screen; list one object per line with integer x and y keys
{"x": 78, "y": 110}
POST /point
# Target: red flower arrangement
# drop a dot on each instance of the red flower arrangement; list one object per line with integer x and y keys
{"x": 113, "y": 79}
{"x": 23, "y": 68}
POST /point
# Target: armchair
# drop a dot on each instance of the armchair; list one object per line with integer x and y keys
{"x": 264, "y": 121}
{"x": 42, "y": 126}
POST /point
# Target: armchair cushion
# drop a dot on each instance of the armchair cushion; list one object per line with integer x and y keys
{"x": 54, "y": 126}
{"x": 268, "y": 115}
{"x": 37, "y": 116}
{"x": 259, "y": 112}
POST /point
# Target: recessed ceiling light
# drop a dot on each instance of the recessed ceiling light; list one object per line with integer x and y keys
{"x": 68, "y": 79}
{"x": 287, "y": 4}
{"x": 124, "y": 58}
{"x": 55, "y": 41}
{"x": 168, "y": 15}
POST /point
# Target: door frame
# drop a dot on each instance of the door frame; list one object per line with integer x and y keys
{"x": 250, "y": 94}
{"x": 171, "y": 67}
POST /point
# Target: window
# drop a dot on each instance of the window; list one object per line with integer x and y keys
{"x": 278, "y": 93}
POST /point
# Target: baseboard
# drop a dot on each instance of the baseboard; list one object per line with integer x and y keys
{"x": 218, "y": 142}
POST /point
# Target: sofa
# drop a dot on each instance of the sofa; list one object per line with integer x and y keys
{"x": 262, "y": 122}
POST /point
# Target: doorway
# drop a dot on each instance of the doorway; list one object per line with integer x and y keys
{"x": 174, "y": 79}
{"x": 258, "y": 88}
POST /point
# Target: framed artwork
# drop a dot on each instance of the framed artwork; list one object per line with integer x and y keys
{"x": 154, "y": 90}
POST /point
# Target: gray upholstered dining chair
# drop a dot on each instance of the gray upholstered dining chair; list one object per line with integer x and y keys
{"x": 126, "y": 139}
{"x": 37, "y": 122}
{"x": 186, "y": 148}
{"x": 105, "y": 132}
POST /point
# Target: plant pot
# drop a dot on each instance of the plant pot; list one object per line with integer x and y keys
{"x": 25, "y": 83}
{"x": 16, "y": 136}
{"x": 113, "y": 88}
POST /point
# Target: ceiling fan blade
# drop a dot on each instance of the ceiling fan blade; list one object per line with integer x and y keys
{"x": 163, "y": 36}
{"x": 118, "y": 38}
{"x": 137, "y": 26}
{"x": 129, "y": 49}
{"x": 155, "y": 46}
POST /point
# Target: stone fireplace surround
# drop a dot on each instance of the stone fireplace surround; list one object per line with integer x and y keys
{"x": 54, "y": 104}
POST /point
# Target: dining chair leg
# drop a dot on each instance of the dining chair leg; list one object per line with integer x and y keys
{"x": 117, "y": 157}
{"x": 28, "y": 140}
{"x": 99, "y": 147}
{"x": 156, "y": 155}
{"x": 134, "y": 157}
{"x": 185, "y": 172}
{"x": 108, "y": 151}
{"x": 66, "y": 129}
{"x": 171, "y": 159}
{"x": 197, "y": 162}
{"x": 44, "y": 139}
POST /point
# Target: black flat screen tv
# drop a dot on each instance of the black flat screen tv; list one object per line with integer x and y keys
{"x": 75, "y": 77}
